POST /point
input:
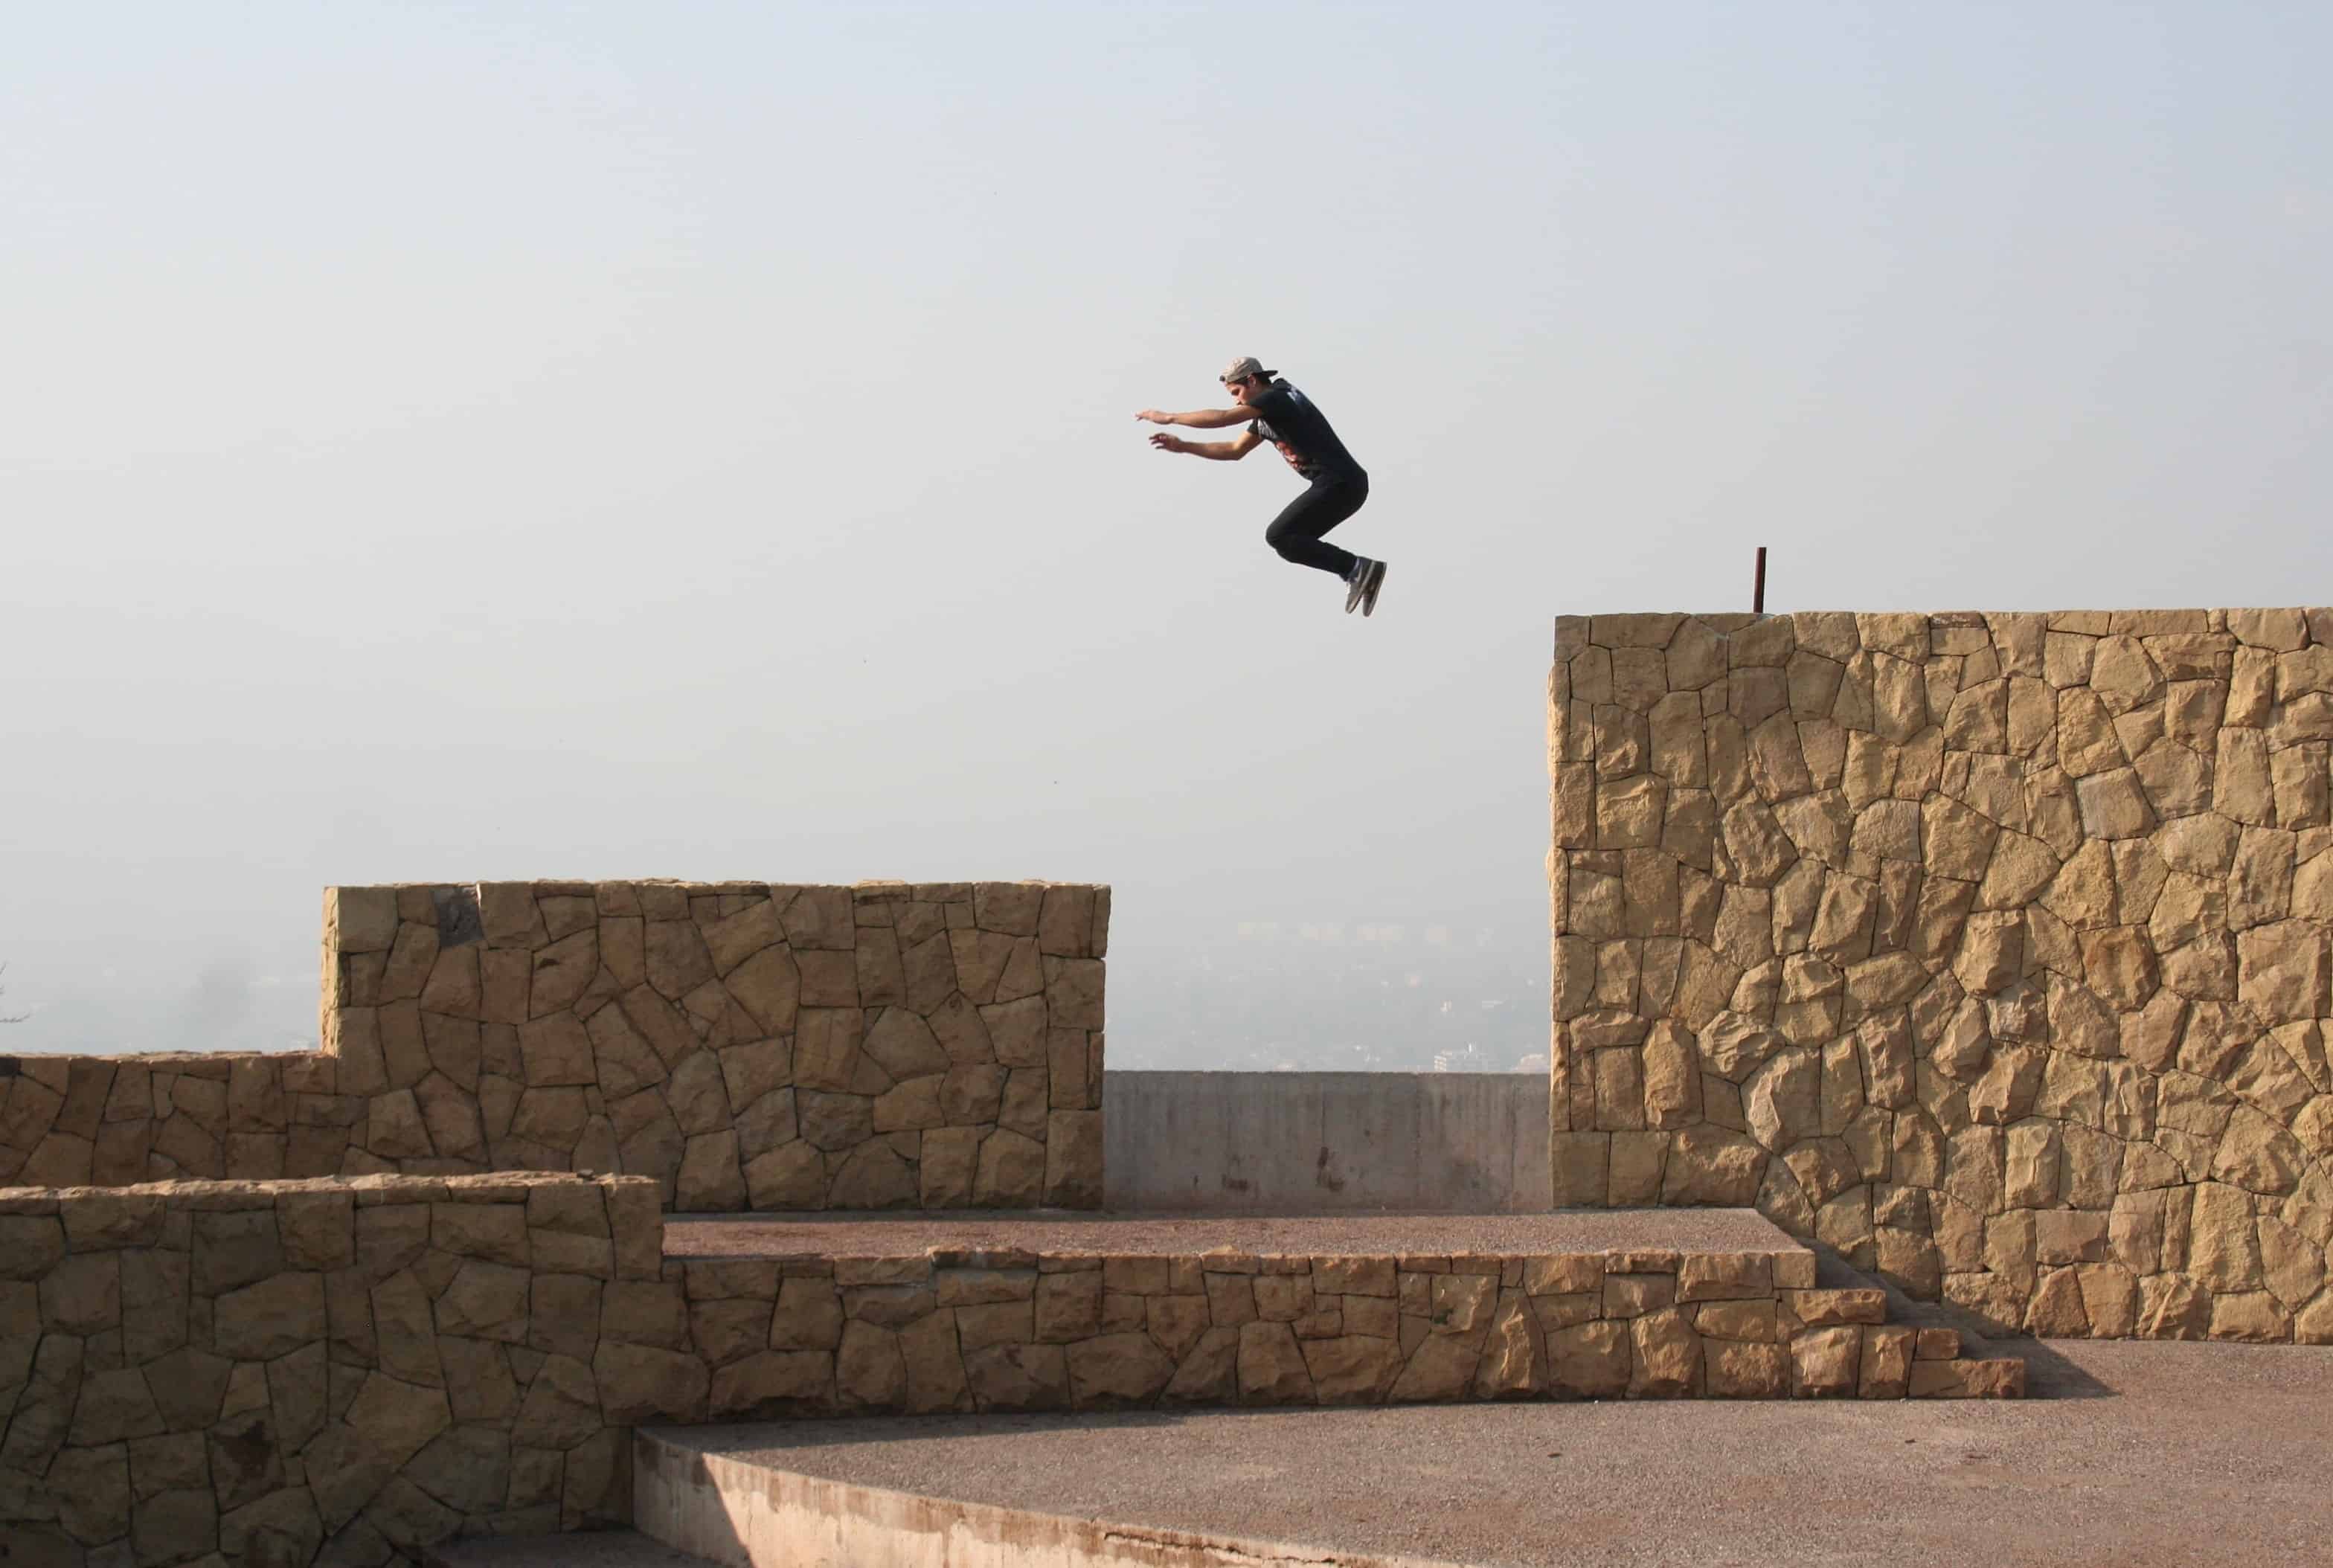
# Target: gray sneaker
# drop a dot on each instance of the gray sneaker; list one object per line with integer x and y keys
{"x": 1359, "y": 583}
{"x": 1371, "y": 581}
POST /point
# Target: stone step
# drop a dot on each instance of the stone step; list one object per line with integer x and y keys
{"x": 1953, "y": 1359}
{"x": 587, "y": 1549}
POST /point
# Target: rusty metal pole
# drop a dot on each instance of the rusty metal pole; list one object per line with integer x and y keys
{"x": 1758, "y": 591}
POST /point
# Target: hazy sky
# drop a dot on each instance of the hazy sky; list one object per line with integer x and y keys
{"x": 452, "y": 442}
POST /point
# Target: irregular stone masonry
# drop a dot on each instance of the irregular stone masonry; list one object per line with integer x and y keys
{"x": 1989, "y": 949}
{"x": 290, "y": 1372}
{"x": 748, "y": 1045}
{"x": 1040, "y": 1330}
{"x": 340, "y": 1370}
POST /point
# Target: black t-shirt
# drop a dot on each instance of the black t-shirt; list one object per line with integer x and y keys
{"x": 1293, "y": 423}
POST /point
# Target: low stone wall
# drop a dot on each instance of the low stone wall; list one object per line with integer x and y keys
{"x": 292, "y": 1372}
{"x": 992, "y": 1330}
{"x": 1990, "y": 950}
{"x": 747, "y": 1045}
{"x": 333, "y": 1371}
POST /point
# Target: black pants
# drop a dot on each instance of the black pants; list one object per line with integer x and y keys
{"x": 1296, "y": 532}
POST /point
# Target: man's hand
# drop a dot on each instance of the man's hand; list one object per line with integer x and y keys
{"x": 1156, "y": 417}
{"x": 1166, "y": 442}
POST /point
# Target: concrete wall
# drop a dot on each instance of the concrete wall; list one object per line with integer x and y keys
{"x": 745, "y": 1045}
{"x": 1991, "y": 950}
{"x": 1290, "y": 1142}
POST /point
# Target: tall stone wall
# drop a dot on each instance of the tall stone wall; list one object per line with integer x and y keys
{"x": 1990, "y": 950}
{"x": 747, "y": 1045}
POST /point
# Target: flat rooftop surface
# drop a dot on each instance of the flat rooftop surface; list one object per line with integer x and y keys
{"x": 2137, "y": 1454}
{"x": 1325, "y": 1234}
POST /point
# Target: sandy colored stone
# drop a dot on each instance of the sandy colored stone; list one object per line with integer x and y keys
{"x": 642, "y": 1383}
{"x": 1271, "y": 1369}
{"x": 1590, "y": 1361}
{"x": 1782, "y": 1098}
{"x": 1116, "y": 1371}
{"x": 1712, "y": 1165}
{"x": 1011, "y": 1170}
{"x": 1073, "y": 1159}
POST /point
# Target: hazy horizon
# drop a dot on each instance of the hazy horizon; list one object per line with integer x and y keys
{"x": 480, "y": 443}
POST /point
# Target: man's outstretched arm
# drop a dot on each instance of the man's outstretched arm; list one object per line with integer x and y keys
{"x": 1200, "y": 419}
{"x": 1231, "y": 451}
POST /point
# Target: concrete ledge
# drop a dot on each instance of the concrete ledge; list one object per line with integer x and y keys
{"x": 740, "y": 1513}
{"x": 1645, "y": 1231}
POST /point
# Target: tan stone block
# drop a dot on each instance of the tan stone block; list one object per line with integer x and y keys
{"x": 1513, "y": 1362}
{"x": 642, "y": 1383}
{"x": 485, "y": 1301}
{"x": 1073, "y": 1159}
{"x": 2282, "y": 970}
{"x": 2223, "y": 1244}
{"x": 1116, "y": 1371}
{"x": 2257, "y": 1154}
{"x": 359, "y": 919}
{"x": 272, "y": 1317}
{"x": 998, "y": 1322}
{"x": 1710, "y": 1165}
{"x": 1666, "y": 1356}
{"x": 1782, "y": 1097}
{"x": 98, "y": 1221}
{"x": 1272, "y": 1368}
{"x": 1885, "y": 1373}
{"x": 1459, "y": 1304}
{"x": 1827, "y": 1362}
{"x": 1352, "y": 1370}
{"x": 1751, "y": 1321}
{"x": 777, "y": 1382}
{"x": 2066, "y": 659}
{"x": 2304, "y": 794}
{"x": 1590, "y": 1361}
{"x": 2173, "y": 1306}
{"x": 1743, "y": 1370}
{"x": 2281, "y": 630}
{"x": 1581, "y": 1162}
{"x": 1011, "y": 1172}
{"x": 2255, "y": 1316}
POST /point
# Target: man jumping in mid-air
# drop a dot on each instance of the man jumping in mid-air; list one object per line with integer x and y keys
{"x": 1276, "y": 412}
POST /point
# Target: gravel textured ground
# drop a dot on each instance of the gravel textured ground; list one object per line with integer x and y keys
{"x": 595, "y": 1549}
{"x": 1586, "y": 1230}
{"x": 2140, "y": 1454}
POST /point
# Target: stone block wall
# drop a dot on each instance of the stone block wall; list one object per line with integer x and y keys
{"x": 346, "y": 1372}
{"x": 747, "y": 1045}
{"x": 1050, "y": 1331}
{"x": 1990, "y": 950}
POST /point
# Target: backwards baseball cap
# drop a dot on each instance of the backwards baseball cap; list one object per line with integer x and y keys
{"x": 1248, "y": 365}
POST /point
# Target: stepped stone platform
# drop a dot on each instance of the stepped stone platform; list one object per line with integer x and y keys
{"x": 1036, "y": 1312}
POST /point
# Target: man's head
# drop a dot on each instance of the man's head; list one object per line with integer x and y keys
{"x": 1246, "y": 376}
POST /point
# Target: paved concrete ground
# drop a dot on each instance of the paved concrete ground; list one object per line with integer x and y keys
{"x": 911, "y": 1234}
{"x": 2140, "y": 1454}
{"x": 600, "y": 1549}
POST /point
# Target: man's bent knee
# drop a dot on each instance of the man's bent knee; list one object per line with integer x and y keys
{"x": 1285, "y": 543}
